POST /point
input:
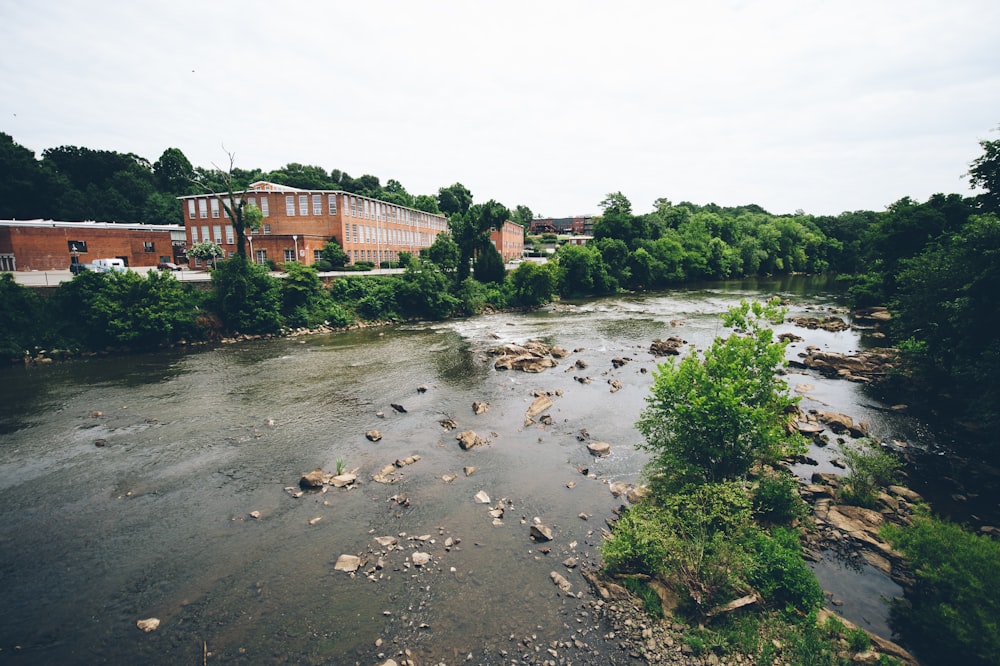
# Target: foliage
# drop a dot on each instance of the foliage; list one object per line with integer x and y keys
{"x": 779, "y": 573}
{"x": 532, "y": 284}
{"x": 984, "y": 173}
{"x": 205, "y": 251}
{"x": 334, "y": 254}
{"x": 454, "y": 200}
{"x": 776, "y": 499}
{"x": 24, "y": 326}
{"x": 127, "y": 310}
{"x": 303, "y": 299}
{"x": 582, "y": 272}
{"x": 650, "y": 599}
{"x": 424, "y": 294}
{"x": 870, "y": 468}
{"x": 489, "y": 266}
{"x": 951, "y": 614}
{"x": 711, "y": 419}
{"x": 247, "y": 298}
{"x": 444, "y": 253}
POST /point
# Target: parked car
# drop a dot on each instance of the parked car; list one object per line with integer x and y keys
{"x": 76, "y": 269}
{"x": 168, "y": 266}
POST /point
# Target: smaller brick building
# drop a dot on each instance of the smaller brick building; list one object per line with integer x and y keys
{"x": 509, "y": 240}
{"x": 47, "y": 245}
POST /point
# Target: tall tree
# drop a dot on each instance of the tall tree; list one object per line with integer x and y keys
{"x": 173, "y": 172}
{"x": 985, "y": 173}
{"x": 242, "y": 215}
{"x": 454, "y": 200}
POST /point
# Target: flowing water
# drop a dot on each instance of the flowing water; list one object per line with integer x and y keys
{"x": 156, "y": 522}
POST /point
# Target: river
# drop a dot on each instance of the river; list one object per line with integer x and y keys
{"x": 156, "y": 520}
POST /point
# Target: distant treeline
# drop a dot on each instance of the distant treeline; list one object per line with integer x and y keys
{"x": 936, "y": 264}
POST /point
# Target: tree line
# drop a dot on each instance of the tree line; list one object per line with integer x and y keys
{"x": 934, "y": 263}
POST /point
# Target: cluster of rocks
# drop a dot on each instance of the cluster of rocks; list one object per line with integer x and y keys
{"x": 830, "y": 323}
{"x": 533, "y": 356}
{"x": 670, "y": 347}
{"x": 866, "y": 366}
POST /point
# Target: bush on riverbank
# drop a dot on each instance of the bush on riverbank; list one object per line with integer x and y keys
{"x": 952, "y": 613}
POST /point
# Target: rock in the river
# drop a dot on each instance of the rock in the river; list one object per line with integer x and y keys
{"x": 541, "y": 532}
{"x": 482, "y": 497}
{"x": 479, "y": 407}
{"x": 599, "y": 449}
{"x": 420, "y": 559}
{"x": 538, "y": 405}
{"x": 468, "y": 439}
{"x": 560, "y": 581}
{"x": 616, "y": 385}
{"x": 342, "y": 480}
{"x": 373, "y": 435}
{"x": 399, "y": 408}
{"x": 423, "y": 388}
{"x": 347, "y": 563}
{"x": 840, "y": 423}
{"x": 669, "y": 347}
{"x": 148, "y": 625}
{"x": 313, "y": 479}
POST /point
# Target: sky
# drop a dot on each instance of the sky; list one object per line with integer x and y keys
{"x": 809, "y": 105}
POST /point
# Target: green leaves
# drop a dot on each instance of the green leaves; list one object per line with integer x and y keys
{"x": 710, "y": 419}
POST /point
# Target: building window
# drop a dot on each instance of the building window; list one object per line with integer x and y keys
{"x": 303, "y": 204}
{"x": 229, "y": 235}
{"x": 317, "y": 204}
{"x": 354, "y": 207}
{"x": 317, "y": 255}
{"x": 218, "y": 234}
{"x": 267, "y": 229}
{"x": 261, "y": 257}
{"x": 77, "y": 245}
{"x": 194, "y": 235}
{"x": 290, "y": 206}
{"x": 191, "y": 208}
{"x": 263, "y": 206}
{"x": 355, "y": 228}
{"x": 289, "y": 255}
{"x": 202, "y": 208}
{"x": 204, "y": 234}
{"x": 147, "y": 246}
{"x": 333, "y": 204}
{"x": 215, "y": 207}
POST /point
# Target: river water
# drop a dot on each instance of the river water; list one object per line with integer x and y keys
{"x": 156, "y": 522}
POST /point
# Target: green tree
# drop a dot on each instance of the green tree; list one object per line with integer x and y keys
{"x": 523, "y": 216}
{"x": 444, "y": 253}
{"x": 246, "y": 297}
{"x": 533, "y": 284}
{"x": 489, "y": 266}
{"x": 205, "y": 251}
{"x": 454, "y": 200}
{"x": 173, "y": 172}
{"x": 424, "y": 292}
{"x": 984, "y": 172}
{"x": 710, "y": 419}
{"x": 24, "y": 326}
{"x": 334, "y": 254}
{"x": 618, "y": 222}
{"x": 582, "y": 272}
{"x": 426, "y": 203}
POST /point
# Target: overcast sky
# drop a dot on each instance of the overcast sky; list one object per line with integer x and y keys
{"x": 788, "y": 104}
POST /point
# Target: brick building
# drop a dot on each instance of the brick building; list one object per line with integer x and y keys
{"x": 581, "y": 225}
{"x": 298, "y": 223}
{"x": 46, "y": 245}
{"x": 509, "y": 240}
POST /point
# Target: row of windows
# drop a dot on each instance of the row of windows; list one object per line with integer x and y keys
{"x": 204, "y": 205}
{"x": 363, "y": 233}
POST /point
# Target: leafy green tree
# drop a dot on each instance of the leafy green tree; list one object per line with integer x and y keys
{"x": 710, "y": 419}
{"x": 523, "y": 216}
{"x": 426, "y": 203}
{"x": 454, "y": 200}
{"x": 444, "y": 253}
{"x": 302, "y": 295}
{"x": 24, "y": 327}
{"x": 619, "y": 223}
{"x": 205, "y": 251}
{"x": 424, "y": 292}
{"x": 582, "y": 272}
{"x": 247, "y": 299}
{"x": 533, "y": 284}
{"x": 489, "y": 266}
{"x": 173, "y": 173}
{"x": 128, "y": 309}
{"x": 334, "y": 254}
{"x": 951, "y": 611}
{"x": 984, "y": 172}
{"x": 303, "y": 176}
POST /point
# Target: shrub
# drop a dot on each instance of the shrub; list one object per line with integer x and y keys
{"x": 650, "y": 599}
{"x": 779, "y": 573}
{"x": 870, "y": 468}
{"x": 247, "y": 299}
{"x": 953, "y": 608}
{"x": 776, "y": 500}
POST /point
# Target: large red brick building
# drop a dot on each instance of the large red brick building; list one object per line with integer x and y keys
{"x": 46, "y": 245}
{"x": 509, "y": 240}
{"x": 298, "y": 223}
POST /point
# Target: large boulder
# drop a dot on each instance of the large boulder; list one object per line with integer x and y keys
{"x": 538, "y": 405}
{"x": 669, "y": 347}
{"x": 468, "y": 439}
{"x": 313, "y": 479}
{"x": 599, "y": 449}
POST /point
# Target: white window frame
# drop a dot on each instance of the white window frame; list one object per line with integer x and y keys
{"x": 289, "y": 255}
{"x": 332, "y": 203}
{"x": 290, "y": 205}
{"x": 191, "y": 208}
{"x": 214, "y": 205}
{"x": 317, "y": 204}
{"x": 203, "y": 208}
{"x": 303, "y": 204}
{"x": 264, "y": 207}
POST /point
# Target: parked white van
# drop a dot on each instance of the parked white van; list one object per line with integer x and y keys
{"x": 109, "y": 265}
